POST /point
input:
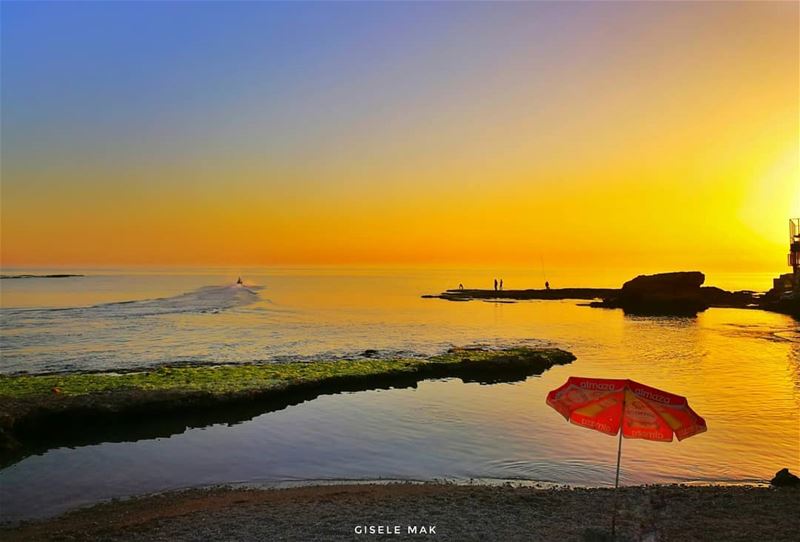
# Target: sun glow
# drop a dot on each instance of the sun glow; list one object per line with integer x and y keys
{"x": 500, "y": 135}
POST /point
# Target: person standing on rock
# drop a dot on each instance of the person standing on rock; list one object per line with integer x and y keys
{"x": 546, "y": 285}
{"x": 501, "y": 284}
{"x": 495, "y": 285}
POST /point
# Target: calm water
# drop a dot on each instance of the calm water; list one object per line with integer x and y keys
{"x": 740, "y": 370}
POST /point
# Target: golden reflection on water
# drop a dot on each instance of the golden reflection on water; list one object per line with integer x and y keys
{"x": 739, "y": 369}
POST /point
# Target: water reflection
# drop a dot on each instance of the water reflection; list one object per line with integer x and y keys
{"x": 739, "y": 369}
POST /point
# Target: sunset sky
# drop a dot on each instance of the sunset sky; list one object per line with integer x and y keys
{"x": 660, "y": 134}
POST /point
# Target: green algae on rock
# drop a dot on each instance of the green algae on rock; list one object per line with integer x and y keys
{"x": 38, "y": 412}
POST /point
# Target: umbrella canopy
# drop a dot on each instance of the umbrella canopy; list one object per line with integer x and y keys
{"x": 643, "y": 412}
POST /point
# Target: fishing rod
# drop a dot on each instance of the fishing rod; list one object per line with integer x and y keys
{"x": 541, "y": 261}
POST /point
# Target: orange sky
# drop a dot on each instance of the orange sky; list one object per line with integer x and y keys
{"x": 661, "y": 135}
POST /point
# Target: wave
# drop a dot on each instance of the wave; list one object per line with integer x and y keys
{"x": 206, "y": 299}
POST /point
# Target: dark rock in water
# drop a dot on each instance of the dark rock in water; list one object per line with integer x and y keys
{"x": 676, "y": 294}
{"x": 717, "y": 297}
{"x": 370, "y": 353}
{"x": 669, "y": 283}
{"x": 787, "y": 305}
{"x": 782, "y": 298}
{"x": 784, "y": 478}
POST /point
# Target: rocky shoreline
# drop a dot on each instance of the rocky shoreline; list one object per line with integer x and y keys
{"x": 669, "y": 294}
{"x": 40, "y": 412}
{"x": 455, "y": 512}
{"x": 28, "y": 276}
{"x": 560, "y": 293}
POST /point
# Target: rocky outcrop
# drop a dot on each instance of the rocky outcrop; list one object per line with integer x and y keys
{"x": 717, "y": 297}
{"x": 784, "y": 478}
{"x": 519, "y": 295}
{"x": 781, "y": 298}
{"x": 57, "y": 276}
{"x": 788, "y": 305}
{"x": 677, "y": 294}
{"x": 671, "y": 294}
{"x": 111, "y": 407}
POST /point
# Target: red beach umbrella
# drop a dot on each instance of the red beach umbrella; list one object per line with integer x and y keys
{"x": 642, "y": 412}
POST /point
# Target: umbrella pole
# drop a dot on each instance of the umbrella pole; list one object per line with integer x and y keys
{"x": 616, "y": 487}
{"x": 616, "y": 480}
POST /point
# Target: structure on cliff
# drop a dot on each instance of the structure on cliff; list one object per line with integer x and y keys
{"x": 794, "y": 252}
{"x": 785, "y": 293}
{"x": 789, "y": 283}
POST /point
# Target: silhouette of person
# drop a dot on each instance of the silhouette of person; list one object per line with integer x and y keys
{"x": 546, "y": 285}
{"x": 501, "y": 284}
{"x": 460, "y": 286}
{"x": 239, "y": 281}
{"x": 495, "y": 285}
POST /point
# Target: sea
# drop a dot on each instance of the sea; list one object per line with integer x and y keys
{"x": 739, "y": 369}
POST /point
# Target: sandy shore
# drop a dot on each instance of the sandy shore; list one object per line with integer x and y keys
{"x": 655, "y": 513}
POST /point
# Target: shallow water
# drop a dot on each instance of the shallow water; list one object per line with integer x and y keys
{"x": 740, "y": 369}
{"x": 125, "y": 319}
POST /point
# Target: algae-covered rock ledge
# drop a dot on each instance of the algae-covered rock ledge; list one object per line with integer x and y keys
{"x": 39, "y": 412}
